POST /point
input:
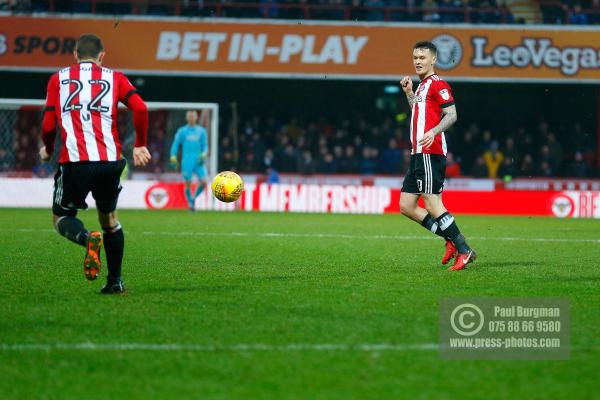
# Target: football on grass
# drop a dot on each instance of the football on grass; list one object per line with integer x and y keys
{"x": 227, "y": 186}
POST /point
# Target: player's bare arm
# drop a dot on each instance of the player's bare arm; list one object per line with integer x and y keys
{"x": 449, "y": 117}
{"x": 406, "y": 84}
{"x": 141, "y": 155}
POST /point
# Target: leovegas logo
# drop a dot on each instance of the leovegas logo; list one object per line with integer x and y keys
{"x": 535, "y": 52}
{"x": 250, "y": 47}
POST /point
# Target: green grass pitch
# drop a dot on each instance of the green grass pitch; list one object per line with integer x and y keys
{"x": 283, "y": 306}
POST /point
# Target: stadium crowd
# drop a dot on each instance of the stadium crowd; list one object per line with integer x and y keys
{"x": 369, "y": 10}
{"x": 572, "y": 12}
{"x": 579, "y": 12}
{"x": 347, "y": 146}
{"x": 362, "y": 147}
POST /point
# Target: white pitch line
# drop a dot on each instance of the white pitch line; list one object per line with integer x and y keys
{"x": 337, "y": 236}
{"x": 360, "y": 237}
{"x": 240, "y": 347}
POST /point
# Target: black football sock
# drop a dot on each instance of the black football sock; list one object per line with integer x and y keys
{"x": 430, "y": 224}
{"x": 72, "y": 228}
{"x": 114, "y": 244}
{"x": 450, "y": 229}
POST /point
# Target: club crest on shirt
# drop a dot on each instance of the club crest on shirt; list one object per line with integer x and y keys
{"x": 445, "y": 95}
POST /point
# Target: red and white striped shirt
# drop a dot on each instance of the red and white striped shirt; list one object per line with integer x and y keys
{"x": 84, "y": 100}
{"x": 433, "y": 94}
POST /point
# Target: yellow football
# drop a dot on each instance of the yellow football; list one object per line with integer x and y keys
{"x": 227, "y": 186}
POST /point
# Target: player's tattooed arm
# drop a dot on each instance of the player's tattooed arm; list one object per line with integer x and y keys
{"x": 412, "y": 99}
{"x": 449, "y": 117}
{"x": 406, "y": 84}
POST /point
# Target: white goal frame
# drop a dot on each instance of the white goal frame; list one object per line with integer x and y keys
{"x": 14, "y": 104}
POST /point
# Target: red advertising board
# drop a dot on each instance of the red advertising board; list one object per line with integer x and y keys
{"x": 379, "y": 200}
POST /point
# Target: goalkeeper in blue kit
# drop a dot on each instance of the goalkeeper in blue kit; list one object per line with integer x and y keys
{"x": 194, "y": 142}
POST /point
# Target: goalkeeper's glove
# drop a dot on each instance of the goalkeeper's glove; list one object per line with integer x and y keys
{"x": 173, "y": 162}
{"x": 202, "y": 157}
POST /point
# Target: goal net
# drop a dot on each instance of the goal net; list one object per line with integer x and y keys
{"x": 20, "y": 127}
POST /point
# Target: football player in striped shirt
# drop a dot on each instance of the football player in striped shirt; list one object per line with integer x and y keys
{"x": 82, "y": 100}
{"x": 432, "y": 112}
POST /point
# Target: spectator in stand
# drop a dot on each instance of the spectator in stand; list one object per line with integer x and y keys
{"x": 485, "y": 142}
{"x": 469, "y": 151}
{"x": 402, "y": 140}
{"x": 452, "y": 167}
{"x": 338, "y": 157}
{"x": 375, "y": 10}
{"x": 479, "y": 170}
{"x": 507, "y": 16}
{"x": 391, "y": 159}
{"x": 491, "y": 12}
{"x": 356, "y": 11}
{"x": 451, "y": 11}
{"x": 272, "y": 176}
{"x": 327, "y": 165}
{"x": 225, "y": 153}
{"x": 249, "y": 162}
{"x": 413, "y": 11}
{"x": 349, "y": 162}
{"x": 397, "y": 14}
{"x": 268, "y": 160}
{"x": 578, "y": 167}
{"x": 507, "y": 170}
{"x": 5, "y": 161}
{"x": 527, "y": 168}
{"x": 288, "y": 160}
{"x": 581, "y": 140}
{"x": 493, "y": 158}
{"x": 509, "y": 150}
{"x": 25, "y": 151}
{"x": 525, "y": 141}
{"x": 553, "y": 12}
{"x": 577, "y": 16}
{"x": 556, "y": 151}
{"x": 545, "y": 169}
{"x": 405, "y": 161}
{"x": 368, "y": 164}
{"x": 306, "y": 164}
{"x": 595, "y": 16}
{"x": 430, "y": 11}
{"x": 546, "y": 163}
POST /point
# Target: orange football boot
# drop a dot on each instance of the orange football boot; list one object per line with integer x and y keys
{"x": 91, "y": 262}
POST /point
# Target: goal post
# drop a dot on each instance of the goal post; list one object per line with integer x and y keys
{"x": 20, "y": 122}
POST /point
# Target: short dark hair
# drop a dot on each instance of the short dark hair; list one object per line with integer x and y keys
{"x": 88, "y": 46}
{"x": 426, "y": 45}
